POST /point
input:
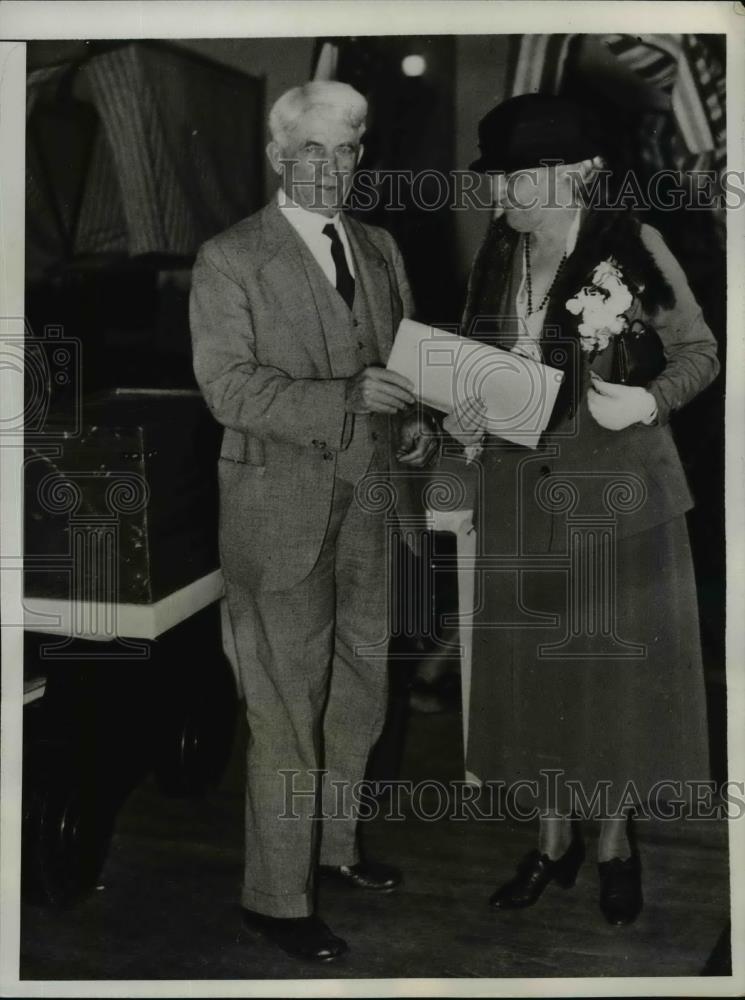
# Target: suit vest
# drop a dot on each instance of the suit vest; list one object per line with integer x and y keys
{"x": 352, "y": 345}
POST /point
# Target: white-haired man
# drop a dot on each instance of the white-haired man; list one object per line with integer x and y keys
{"x": 293, "y": 311}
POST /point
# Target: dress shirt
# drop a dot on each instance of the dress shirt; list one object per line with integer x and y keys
{"x": 309, "y": 226}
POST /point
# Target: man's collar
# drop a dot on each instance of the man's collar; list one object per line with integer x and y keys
{"x": 302, "y": 216}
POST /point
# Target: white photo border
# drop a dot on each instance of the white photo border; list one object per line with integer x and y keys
{"x": 136, "y": 19}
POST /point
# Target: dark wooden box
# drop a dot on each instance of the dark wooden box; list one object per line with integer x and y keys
{"x": 126, "y": 511}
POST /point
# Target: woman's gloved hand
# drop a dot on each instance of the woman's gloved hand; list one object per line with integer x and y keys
{"x": 616, "y": 406}
{"x": 467, "y": 422}
{"x": 419, "y": 438}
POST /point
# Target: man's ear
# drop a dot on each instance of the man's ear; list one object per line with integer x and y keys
{"x": 274, "y": 155}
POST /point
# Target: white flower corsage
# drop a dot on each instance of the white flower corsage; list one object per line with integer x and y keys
{"x": 602, "y": 306}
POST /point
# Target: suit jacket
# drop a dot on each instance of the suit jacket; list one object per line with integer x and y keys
{"x": 268, "y": 360}
{"x": 645, "y": 457}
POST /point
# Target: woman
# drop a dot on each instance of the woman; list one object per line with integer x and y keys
{"x": 587, "y": 682}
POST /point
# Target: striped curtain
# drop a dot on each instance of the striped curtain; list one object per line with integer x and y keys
{"x": 157, "y": 212}
{"x": 173, "y": 162}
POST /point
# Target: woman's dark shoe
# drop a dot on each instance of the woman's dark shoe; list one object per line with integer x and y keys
{"x": 621, "y": 898}
{"x": 534, "y": 873}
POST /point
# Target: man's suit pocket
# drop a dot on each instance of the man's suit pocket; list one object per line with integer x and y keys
{"x": 243, "y": 468}
{"x": 242, "y": 448}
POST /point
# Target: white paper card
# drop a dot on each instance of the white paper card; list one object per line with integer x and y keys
{"x": 519, "y": 394}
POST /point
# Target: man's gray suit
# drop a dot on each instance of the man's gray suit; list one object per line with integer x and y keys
{"x": 304, "y": 562}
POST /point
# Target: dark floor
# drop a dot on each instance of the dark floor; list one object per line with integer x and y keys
{"x": 167, "y": 906}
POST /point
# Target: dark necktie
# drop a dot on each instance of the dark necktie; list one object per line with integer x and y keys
{"x": 344, "y": 279}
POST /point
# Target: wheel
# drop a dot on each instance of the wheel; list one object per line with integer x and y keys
{"x": 81, "y": 757}
{"x": 67, "y": 829}
{"x": 194, "y": 736}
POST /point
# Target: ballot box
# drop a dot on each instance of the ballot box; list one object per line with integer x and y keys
{"x": 125, "y": 510}
{"x": 124, "y": 670}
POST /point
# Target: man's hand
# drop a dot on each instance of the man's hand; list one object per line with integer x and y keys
{"x": 616, "y": 407}
{"x": 419, "y": 439}
{"x": 376, "y": 390}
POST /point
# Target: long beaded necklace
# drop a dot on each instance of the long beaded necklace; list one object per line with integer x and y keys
{"x": 528, "y": 282}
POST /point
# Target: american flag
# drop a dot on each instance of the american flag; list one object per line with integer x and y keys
{"x": 691, "y": 136}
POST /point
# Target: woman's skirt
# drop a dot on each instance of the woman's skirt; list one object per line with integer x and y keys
{"x": 587, "y": 676}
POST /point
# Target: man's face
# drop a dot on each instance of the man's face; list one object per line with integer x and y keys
{"x": 318, "y": 164}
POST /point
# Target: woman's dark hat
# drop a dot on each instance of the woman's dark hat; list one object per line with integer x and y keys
{"x": 528, "y": 130}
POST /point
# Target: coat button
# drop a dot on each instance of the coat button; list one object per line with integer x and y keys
{"x": 545, "y": 470}
{"x": 327, "y": 456}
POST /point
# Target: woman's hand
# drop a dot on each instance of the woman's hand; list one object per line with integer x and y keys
{"x": 616, "y": 406}
{"x": 419, "y": 439}
{"x": 467, "y": 422}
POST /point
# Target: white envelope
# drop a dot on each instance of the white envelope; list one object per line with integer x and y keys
{"x": 519, "y": 394}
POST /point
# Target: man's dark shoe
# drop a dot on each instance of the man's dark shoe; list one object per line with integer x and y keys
{"x": 621, "y": 898}
{"x": 364, "y": 875}
{"x": 302, "y": 937}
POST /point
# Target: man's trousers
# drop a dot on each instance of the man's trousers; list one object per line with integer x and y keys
{"x": 313, "y": 670}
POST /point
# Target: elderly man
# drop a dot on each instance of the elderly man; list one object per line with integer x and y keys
{"x": 293, "y": 311}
